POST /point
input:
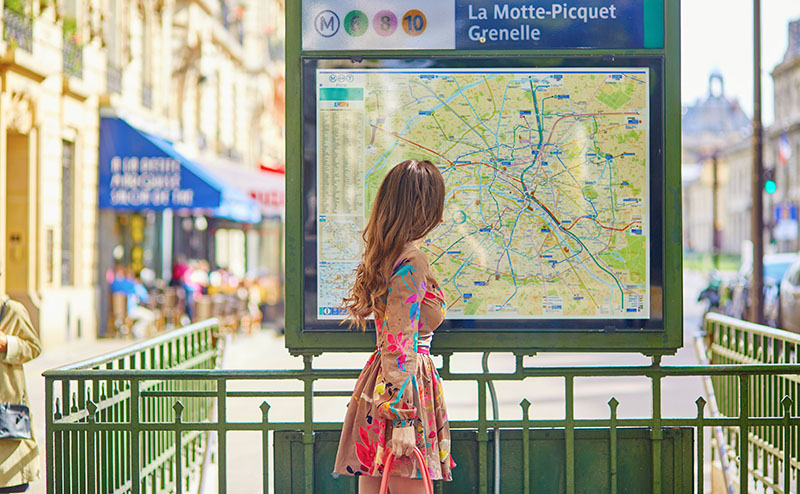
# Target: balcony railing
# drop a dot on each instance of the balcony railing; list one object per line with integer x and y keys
{"x": 113, "y": 79}
{"x": 73, "y": 58}
{"x": 18, "y": 29}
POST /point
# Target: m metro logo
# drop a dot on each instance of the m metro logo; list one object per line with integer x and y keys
{"x": 327, "y": 23}
{"x": 330, "y": 25}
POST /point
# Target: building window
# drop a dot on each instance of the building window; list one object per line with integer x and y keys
{"x": 113, "y": 48}
{"x": 146, "y": 54}
{"x": 50, "y": 246}
{"x": 67, "y": 211}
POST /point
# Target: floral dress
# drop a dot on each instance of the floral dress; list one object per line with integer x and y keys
{"x": 399, "y": 385}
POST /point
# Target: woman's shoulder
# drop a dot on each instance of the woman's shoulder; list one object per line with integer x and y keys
{"x": 412, "y": 256}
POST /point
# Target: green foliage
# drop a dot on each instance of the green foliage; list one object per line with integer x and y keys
{"x": 18, "y": 6}
{"x": 703, "y": 262}
{"x": 70, "y": 27}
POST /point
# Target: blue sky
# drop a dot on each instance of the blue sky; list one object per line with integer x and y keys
{"x": 718, "y": 34}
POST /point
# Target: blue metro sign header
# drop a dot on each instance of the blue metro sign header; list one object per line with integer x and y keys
{"x": 330, "y": 25}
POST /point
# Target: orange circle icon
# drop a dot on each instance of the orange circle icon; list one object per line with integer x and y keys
{"x": 414, "y": 22}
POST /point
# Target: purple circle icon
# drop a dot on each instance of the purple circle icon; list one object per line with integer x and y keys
{"x": 385, "y": 22}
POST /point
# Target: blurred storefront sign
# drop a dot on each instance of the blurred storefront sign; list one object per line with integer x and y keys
{"x": 786, "y": 224}
{"x": 160, "y": 203}
{"x": 141, "y": 171}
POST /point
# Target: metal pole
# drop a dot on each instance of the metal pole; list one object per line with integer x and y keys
{"x": 715, "y": 210}
{"x": 757, "y": 211}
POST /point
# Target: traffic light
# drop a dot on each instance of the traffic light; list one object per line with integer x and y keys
{"x": 769, "y": 181}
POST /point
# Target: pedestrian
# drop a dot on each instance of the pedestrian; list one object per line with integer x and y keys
{"x": 126, "y": 283}
{"x": 398, "y": 401}
{"x": 19, "y": 343}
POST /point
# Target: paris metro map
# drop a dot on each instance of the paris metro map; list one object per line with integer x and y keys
{"x": 547, "y": 173}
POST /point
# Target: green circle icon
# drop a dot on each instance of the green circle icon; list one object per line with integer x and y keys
{"x": 356, "y": 23}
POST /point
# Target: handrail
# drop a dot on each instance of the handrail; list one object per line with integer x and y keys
{"x": 753, "y": 328}
{"x": 77, "y": 397}
{"x": 736, "y": 343}
{"x": 582, "y": 371}
{"x": 137, "y": 347}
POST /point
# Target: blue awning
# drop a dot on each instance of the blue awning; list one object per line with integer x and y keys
{"x": 141, "y": 171}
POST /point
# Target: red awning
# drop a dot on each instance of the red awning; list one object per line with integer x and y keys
{"x": 273, "y": 167}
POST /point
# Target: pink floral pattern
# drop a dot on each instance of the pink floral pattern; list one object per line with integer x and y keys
{"x": 399, "y": 384}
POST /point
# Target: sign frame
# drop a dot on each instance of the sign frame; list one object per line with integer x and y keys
{"x": 667, "y": 341}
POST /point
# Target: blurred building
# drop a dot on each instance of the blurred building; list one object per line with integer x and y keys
{"x": 717, "y": 125}
{"x": 782, "y": 145}
{"x": 712, "y": 130}
{"x": 51, "y": 64}
{"x": 134, "y": 131}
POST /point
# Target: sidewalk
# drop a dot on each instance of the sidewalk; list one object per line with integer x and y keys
{"x": 50, "y": 358}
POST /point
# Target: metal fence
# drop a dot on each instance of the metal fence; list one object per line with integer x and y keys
{"x": 770, "y": 451}
{"x": 132, "y": 430}
{"x": 89, "y": 450}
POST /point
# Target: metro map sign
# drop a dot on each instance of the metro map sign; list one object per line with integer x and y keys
{"x": 554, "y": 126}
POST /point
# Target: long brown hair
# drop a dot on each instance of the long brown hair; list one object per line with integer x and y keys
{"x": 409, "y": 204}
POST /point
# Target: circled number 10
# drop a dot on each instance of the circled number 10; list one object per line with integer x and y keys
{"x": 414, "y": 22}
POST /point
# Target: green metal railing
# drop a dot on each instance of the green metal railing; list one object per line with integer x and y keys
{"x": 86, "y": 455}
{"x": 136, "y": 439}
{"x": 771, "y": 449}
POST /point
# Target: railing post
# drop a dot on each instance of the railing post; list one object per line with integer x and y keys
{"x": 526, "y": 446}
{"x": 222, "y": 436}
{"x": 91, "y": 450}
{"x": 657, "y": 433}
{"x": 569, "y": 432}
{"x": 265, "y": 445}
{"x": 744, "y": 432}
{"x": 787, "y": 437}
{"x": 178, "y": 407}
{"x": 701, "y": 406}
{"x": 134, "y": 428}
{"x": 50, "y": 435}
{"x": 483, "y": 440}
{"x": 612, "y": 430}
{"x": 308, "y": 424}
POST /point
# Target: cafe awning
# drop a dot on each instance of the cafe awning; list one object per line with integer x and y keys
{"x": 265, "y": 187}
{"x": 141, "y": 171}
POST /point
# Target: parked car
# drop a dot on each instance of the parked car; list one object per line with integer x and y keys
{"x": 775, "y": 266}
{"x": 790, "y": 299}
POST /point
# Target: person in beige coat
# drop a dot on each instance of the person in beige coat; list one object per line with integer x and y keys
{"x": 19, "y": 343}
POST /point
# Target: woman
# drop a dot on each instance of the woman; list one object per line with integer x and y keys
{"x": 19, "y": 458}
{"x": 398, "y": 403}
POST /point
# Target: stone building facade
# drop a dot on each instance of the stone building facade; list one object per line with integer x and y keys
{"x": 202, "y": 73}
{"x": 735, "y": 162}
{"x": 786, "y": 78}
{"x": 713, "y": 127}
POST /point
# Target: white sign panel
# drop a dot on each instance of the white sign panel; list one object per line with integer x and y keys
{"x": 375, "y": 25}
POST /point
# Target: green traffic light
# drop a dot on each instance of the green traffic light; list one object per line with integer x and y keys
{"x": 770, "y": 187}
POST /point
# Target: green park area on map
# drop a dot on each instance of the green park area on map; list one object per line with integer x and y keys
{"x": 547, "y": 175}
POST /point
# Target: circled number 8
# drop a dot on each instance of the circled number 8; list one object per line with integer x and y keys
{"x": 414, "y": 22}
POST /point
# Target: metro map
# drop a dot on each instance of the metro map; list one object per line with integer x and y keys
{"x": 547, "y": 175}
